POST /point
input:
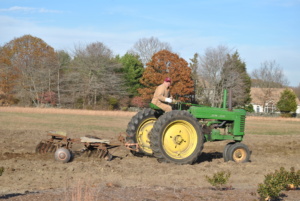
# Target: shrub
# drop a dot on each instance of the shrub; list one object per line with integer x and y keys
{"x": 1, "y": 170}
{"x": 219, "y": 179}
{"x": 287, "y": 103}
{"x": 113, "y": 103}
{"x": 137, "y": 101}
{"x": 48, "y": 97}
{"x": 249, "y": 108}
{"x": 280, "y": 180}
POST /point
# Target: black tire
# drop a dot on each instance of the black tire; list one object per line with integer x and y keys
{"x": 62, "y": 155}
{"x": 239, "y": 153}
{"x": 225, "y": 151}
{"x": 177, "y": 138}
{"x": 138, "y": 129}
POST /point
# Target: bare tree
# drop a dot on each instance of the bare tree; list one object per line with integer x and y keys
{"x": 269, "y": 76}
{"x": 210, "y": 72}
{"x": 145, "y": 48}
{"x": 93, "y": 76}
{"x": 297, "y": 91}
{"x": 64, "y": 60}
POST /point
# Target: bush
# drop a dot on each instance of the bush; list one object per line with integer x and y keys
{"x": 249, "y": 108}
{"x": 287, "y": 102}
{"x": 286, "y": 114}
{"x": 137, "y": 101}
{"x": 280, "y": 180}
{"x": 113, "y": 103}
{"x": 219, "y": 179}
{"x": 1, "y": 170}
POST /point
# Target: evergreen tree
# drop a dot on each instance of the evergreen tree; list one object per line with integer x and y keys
{"x": 287, "y": 102}
{"x": 194, "y": 65}
{"x": 133, "y": 70}
{"x": 235, "y": 77}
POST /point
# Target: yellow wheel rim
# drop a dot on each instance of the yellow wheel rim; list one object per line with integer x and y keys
{"x": 239, "y": 155}
{"x": 179, "y": 139}
{"x": 142, "y": 134}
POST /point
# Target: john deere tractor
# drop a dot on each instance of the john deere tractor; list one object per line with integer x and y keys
{"x": 178, "y": 136}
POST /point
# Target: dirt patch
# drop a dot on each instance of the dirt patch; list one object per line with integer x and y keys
{"x": 30, "y": 176}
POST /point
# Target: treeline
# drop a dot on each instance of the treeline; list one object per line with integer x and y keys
{"x": 34, "y": 74}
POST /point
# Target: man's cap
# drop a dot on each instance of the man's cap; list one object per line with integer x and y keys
{"x": 168, "y": 79}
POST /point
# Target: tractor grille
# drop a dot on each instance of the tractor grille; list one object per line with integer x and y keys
{"x": 242, "y": 123}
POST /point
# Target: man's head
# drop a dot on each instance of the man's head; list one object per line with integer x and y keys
{"x": 167, "y": 81}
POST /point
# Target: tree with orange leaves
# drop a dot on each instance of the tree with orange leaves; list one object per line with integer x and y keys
{"x": 28, "y": 69}
{"x": 166, "y": 64}
{"x": 8, "y": 78}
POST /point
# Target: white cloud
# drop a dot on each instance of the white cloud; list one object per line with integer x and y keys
{"x": 28, "y": 9}
{"x": 184, "y": 44}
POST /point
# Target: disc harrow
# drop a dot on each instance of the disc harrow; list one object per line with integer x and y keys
{"x": 58, "y": 143}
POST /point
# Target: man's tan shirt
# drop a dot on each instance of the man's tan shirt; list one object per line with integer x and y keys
{"x": 160, "y": 95}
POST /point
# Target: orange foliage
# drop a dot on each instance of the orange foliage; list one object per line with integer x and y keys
{"x": 20, "y": 62}
{"x": 166, "y": 64}
{"x": 8, "y": 74}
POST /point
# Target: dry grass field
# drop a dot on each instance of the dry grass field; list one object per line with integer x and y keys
{"x": 274, "y": 142}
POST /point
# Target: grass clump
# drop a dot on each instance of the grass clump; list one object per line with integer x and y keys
{"x": 278, "y": 181}
{"x": 219, "y": 179}
{"x": 1, "y": 170}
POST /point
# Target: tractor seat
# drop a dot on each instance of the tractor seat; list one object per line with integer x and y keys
{"x": 154, "y": 107}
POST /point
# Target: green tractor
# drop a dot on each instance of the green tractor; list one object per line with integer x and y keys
{"x": 178, "y": 136}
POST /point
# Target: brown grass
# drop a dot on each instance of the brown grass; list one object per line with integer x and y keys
{"x": 81, "y": 191}
{"x": 272, "y": 126}
{"x": 65, "y": 111}
{"x": 87, "y": 121}
{"x": 272, "y": 118}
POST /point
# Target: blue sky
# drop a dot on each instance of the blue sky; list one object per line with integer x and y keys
{"x": 260, "y": 30}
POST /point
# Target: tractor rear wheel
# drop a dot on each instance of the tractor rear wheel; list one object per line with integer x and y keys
{"x": 138, "y": 129}
{"x": 177, "y": 137}
{"x": 239, "y": 153}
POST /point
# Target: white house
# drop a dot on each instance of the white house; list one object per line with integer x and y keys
{"x": 265, "y": 100}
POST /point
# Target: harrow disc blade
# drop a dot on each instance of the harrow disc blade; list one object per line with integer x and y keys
{"x": 38, "y": 147}
{"x": 45, "y": 147}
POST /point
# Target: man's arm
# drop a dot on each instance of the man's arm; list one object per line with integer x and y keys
{"x": 159, "y": 93}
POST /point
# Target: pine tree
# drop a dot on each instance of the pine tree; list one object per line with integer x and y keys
{"x": 287, "y": 102}
{"x": 133, "y": 70}
{"x": 235, "y": 77}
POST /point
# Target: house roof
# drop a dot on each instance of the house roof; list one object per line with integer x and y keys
{"x": 260, "y": 95}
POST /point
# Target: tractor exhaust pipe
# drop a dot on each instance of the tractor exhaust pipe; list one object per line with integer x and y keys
{"x": 224, "y": 98}
{"x": 230, "y": 100}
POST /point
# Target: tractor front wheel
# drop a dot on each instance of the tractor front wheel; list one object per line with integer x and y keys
{"x": 238, "y": 152}
{"x": 177, "y": 137}
{"x": 225, "y": 151}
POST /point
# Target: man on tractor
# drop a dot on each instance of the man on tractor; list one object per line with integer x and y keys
{"x": 162, "y": 96}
